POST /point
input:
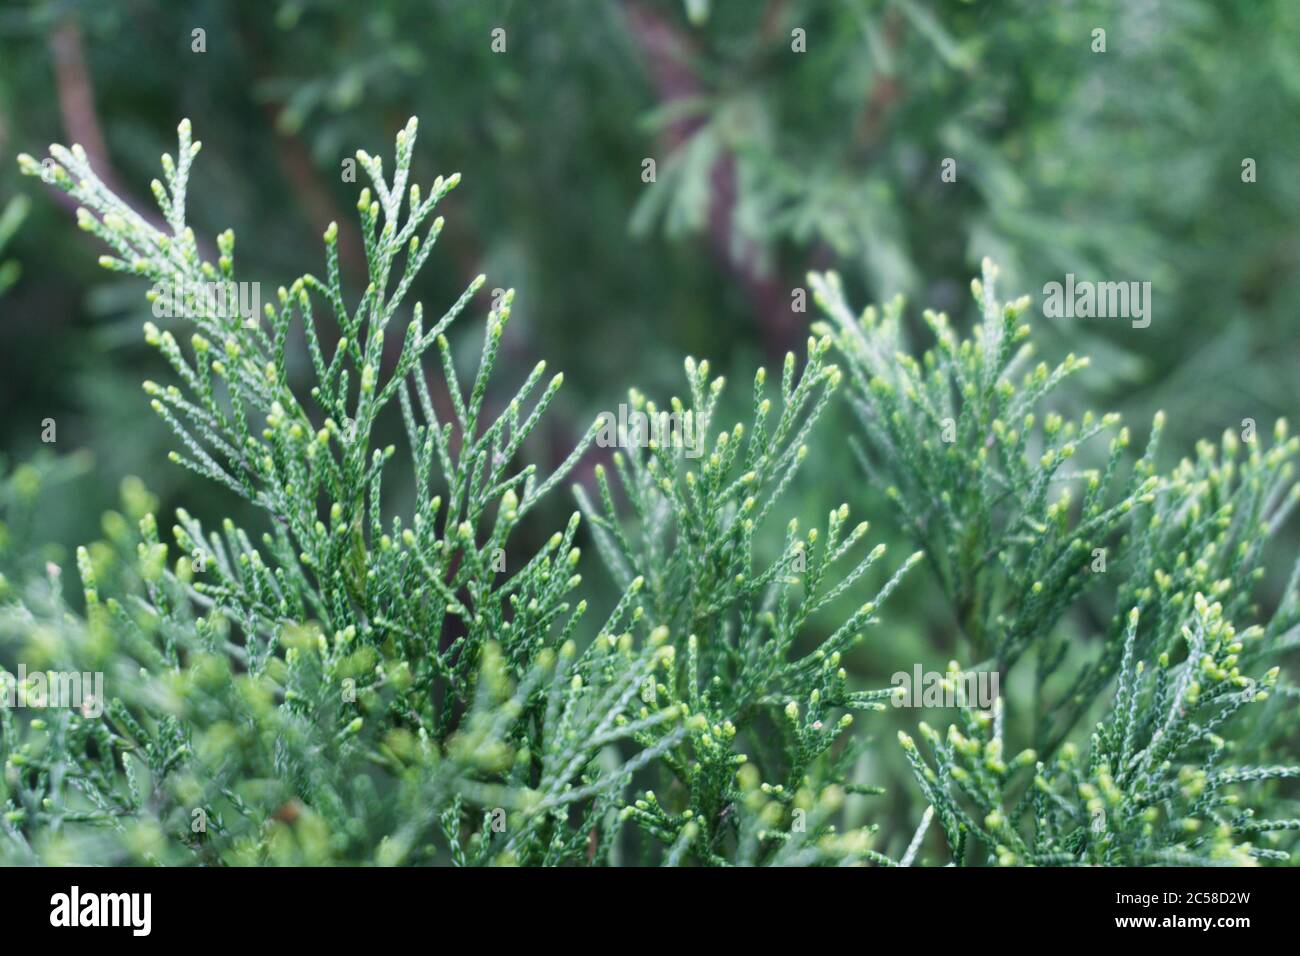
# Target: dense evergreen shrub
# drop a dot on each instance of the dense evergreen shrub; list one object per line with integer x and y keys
{"x": 344, "y": 683}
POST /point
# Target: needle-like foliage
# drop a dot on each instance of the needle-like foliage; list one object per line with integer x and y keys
{"x": 348, "y": 684}
{"x": 764, "y": 769}
{"x": 382, "y": 672}
{"x": 1177, "y": 556}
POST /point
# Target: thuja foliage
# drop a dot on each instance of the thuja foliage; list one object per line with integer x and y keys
{"x": 351, "y": 684}
{"x": 977, "y": 469}
{"x": 760, "y": 776}
{"x": 354, "y": 681}
{"x": 344, "y": 685}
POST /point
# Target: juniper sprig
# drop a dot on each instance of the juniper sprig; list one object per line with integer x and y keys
{"x": 757, "y": 699}
{"x": 1178, "y": 554}
{"x": 970, "y": 460}
{"x": 273, "y": 670}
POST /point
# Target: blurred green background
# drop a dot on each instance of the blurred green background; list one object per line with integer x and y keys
{"x": 1122, "y": 165}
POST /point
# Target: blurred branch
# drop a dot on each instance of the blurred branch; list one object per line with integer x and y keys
{"x": 888, "y": 90}
{"x": 320, "y": 208}
{"x": 77, "y": 94}
{"x": 81, "y": 123}
{"x": 667, "y": 54}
